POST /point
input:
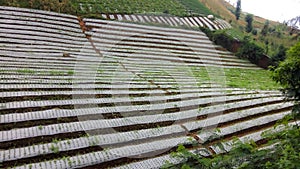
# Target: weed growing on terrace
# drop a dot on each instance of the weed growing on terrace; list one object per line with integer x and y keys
{"x": 250, "y": 79}
{"x": 26, "y": 71}
{"x": 40, "y": 127}
{"x": 54, "y": 149}
{"x": 56, "y": 73}
{"x": 70, "y": 72}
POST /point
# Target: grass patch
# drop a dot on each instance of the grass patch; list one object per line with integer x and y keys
{"x": 241, "y": 78}
{"x": 25, "y": 71}
{"x": 236, "y": 33}
{"x": 195, "y": 6}
{"x": 250, "y": 79}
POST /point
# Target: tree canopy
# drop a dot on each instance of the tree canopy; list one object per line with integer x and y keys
{"x": 238, "y": 9}
{"x": 288, "y": 75}
{"x": 249, "y": 20}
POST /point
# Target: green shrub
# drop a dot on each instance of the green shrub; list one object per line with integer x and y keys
{"x": 279, "y": 56}
{"x": 254, "y": 32}
{"x": 247, "y": 155}
{"x": 249, "y": 20}
{"x": 221, "y": 38}
{"x": 288, "y": 75}
{"x": 251, "y": 51}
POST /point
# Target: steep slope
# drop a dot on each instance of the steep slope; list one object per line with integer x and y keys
{"x": 278, "y": 34}
{"x": 88, "y": 93}
{"x": 226, "y": 11}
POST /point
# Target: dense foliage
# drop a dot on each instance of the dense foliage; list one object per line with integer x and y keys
{"x": 238, "y": 9}
{"x": 61, "y": 6}
{"x": 282, "y": 154}
{"x": 265, "y": 29}
{"x": 243, "y": 48}
{"x": 250, "y": 51}
{"x": 249, "y": 20}
{"x": 221, "y": 38}
{"x": 288, "y": 75}
{"x": 279, "y": 56}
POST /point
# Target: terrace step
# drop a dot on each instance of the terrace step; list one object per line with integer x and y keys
{"x": 110, "y": 154}
{"x": 119, "y": 137}
{"x": 62, "y": 113}
{"x": 52, "y": 103}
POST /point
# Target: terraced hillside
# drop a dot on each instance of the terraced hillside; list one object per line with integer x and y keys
{"x": 186, "y": 22}
{"x": 87, "y": 93}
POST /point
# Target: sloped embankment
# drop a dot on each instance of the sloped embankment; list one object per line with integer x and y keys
{"x": 117, "y": 95}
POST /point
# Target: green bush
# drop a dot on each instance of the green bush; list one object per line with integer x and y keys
{"x": 279, "y": 56}
{"x": 172, "y": 7}
{"x": 254, "y": 32}
{"x": 223, "y": 39}
{"x": 288, "y": 75}
{"x": 61, "y": 6}
{"x": 251, "y": 51}
{"x": 249, "y": 20}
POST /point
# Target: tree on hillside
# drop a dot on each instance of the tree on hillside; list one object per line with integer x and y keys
{"x": 238, "y": 9}
{"x": 288, "y": 75}
{"x": 265, "y": 29}
{"x": 249, "y": 20}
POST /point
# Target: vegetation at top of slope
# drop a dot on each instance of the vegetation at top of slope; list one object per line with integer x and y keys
{"x": 60, "y": 6}
{"x": 96, "y": 7}
{"x": 238, "y": 10}
{"x": 196, "y": 7}
{"x": 172, "y": 7}
{"x": 222, "y": 38}
{"x": 269, "y": 35}
{"x": 244, "y": 48}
